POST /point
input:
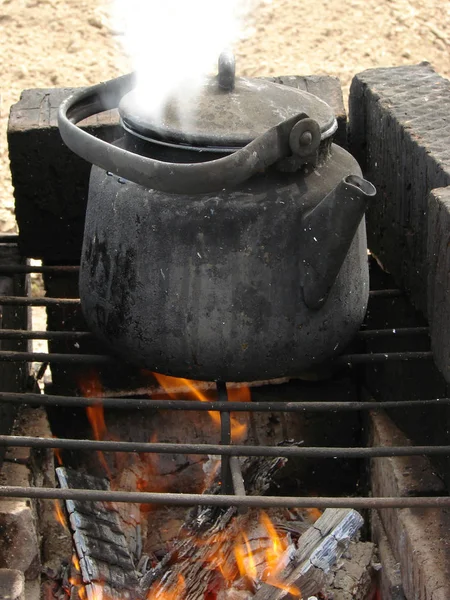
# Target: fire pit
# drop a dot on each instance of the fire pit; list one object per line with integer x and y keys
{"x": 268, "y": 417}
{"x": 85, "y": 375}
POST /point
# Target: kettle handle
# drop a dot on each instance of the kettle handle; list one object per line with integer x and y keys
{"x": 196, "y": 178}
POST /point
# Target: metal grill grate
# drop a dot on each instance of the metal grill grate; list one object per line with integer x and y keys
{"x": 233, "y": 486}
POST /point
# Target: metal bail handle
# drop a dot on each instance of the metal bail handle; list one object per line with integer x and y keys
{"x": 191, "y": 178}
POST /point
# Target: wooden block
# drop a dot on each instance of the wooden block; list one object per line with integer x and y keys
{"x": 50, "y": 181}
{"x": 420, "y": 538}
{"x": 399, "y": 132}
{"x": 439, "y": 277}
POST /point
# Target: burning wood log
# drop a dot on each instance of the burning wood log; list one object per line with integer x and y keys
{"x": 220, "y": 554}
{"x": 104, "y": 561}
{"x": 233, "y": 556}
{"x": 204, "y": 533}
{"x": 317, "y": 551}
{"x": 106, "y": 566}
{"x": 245, "y": 557}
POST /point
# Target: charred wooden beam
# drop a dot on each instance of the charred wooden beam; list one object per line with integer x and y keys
{"x": 101, "y": 546}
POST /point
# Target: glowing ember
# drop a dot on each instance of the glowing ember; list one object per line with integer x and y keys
{"x": 209, "y": 479}
{"x": 75, "y": 582}
{"x": 176, "y": 592}
{"x": 314, "y": 513}
{"x": 97, "y": 592}
{"x": 59, "y": 515}
{"x": 191, "y": 390}
{"x": 221, "y": 562}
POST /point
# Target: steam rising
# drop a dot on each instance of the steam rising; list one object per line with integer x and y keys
{"x": 173, "y": 44}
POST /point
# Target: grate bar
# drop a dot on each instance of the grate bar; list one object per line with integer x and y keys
{"x": 393, "y": 293}
{"x": 236, "y": 475}
{"x": 9, "y": 238}
{"x": 222, "y": 450}
{"x": 54, "y": 357}
{"x": 381, "y": 357}
{"x": 275, "y": 406}
{"x": 223, "y": 500}
{"x": 396, "y": 332}
{"x": 44, "y": 301}
{"x": 102, "y": 359}
{"x": 22, "y": 334}
{"x": 226, "y": 480}
{"x": 13, "y": 269}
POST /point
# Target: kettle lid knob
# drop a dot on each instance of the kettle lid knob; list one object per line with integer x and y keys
{"x": 227, "y": 70}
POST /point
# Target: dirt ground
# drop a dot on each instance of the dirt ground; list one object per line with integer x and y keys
{"x": 55, "y": 43}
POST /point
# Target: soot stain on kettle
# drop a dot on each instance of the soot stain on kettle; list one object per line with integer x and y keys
{"x": 115, "y": 279}
{"x": 123, "y": 284}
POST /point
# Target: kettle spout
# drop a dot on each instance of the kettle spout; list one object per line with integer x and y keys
{"x": 329, "y": 230}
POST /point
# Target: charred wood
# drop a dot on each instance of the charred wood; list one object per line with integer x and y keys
{"x": 317, "y": 551}
{"x": 104, "y": 558}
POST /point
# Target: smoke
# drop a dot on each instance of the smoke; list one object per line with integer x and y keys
{"x": 173, "y": 44}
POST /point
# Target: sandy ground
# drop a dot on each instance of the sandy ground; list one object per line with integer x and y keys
{"x": 53, "y": 43}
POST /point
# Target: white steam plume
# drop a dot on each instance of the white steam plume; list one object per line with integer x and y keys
{"x": 173, "y": 44}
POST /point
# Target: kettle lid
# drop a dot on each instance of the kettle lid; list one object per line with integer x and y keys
{"x": 228, "y": 113}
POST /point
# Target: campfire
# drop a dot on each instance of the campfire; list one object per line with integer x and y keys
{"x": 142, "y": 552}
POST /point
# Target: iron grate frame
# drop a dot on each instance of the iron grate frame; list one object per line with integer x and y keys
{"x": 233, "y": 486}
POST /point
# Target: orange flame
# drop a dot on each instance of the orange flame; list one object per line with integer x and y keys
{"x": 76, "y": 583}
{"x": 76, "y": 563}
{"x": 58, "y": 455}
{"x": 96, "y": 417}
{"x": 175, "y": 592}
{"x": 242, "y": 394}
{"x": 239, "y": 394}
{"x": 279, "y": 545}
{"x": 274, "y": 558}
{"x": 252, "y": 559}
{"x": 75, "y": 579}
{"x": 59, "y": 515}
{"x": 91, "y": 387}
{"x": 245, "y": 559}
